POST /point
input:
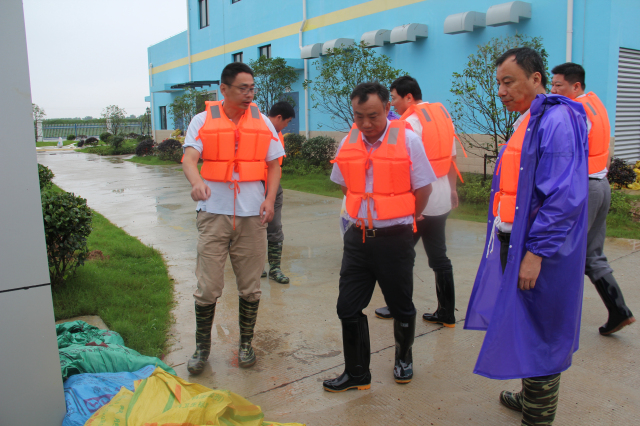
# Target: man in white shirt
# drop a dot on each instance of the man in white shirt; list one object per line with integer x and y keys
{"x": 236, "y": 143}
{"x": 405, "y": 94}
{"x": 568, "y": 80}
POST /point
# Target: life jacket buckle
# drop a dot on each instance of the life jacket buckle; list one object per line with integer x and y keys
{"x": 370, "y": 232}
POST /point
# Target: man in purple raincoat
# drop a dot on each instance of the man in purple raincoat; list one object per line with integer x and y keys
{"x": 528, "y": 291}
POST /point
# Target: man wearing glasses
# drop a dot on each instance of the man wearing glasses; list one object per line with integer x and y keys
{"x": 236, "y": 142}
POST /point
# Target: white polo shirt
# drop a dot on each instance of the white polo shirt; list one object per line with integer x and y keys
{"x": 251, "y": 194}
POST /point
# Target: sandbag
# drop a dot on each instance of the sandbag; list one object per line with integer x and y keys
{"x": 164, "y": 400}
{"x": 104, "y": 358}
{"x": 84, "y": 394}
{"x": 81, "y": 333}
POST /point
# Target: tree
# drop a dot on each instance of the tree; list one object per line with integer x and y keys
{"x": 273, "y": 78}
{"x": 38, "y": 113}
{"x": 477, "y": 110}
{"x": 186, "y": 106}
{"x": 114, "y": 117}
{"x": 145, "y": 122}
{"x": 342, "y": 70}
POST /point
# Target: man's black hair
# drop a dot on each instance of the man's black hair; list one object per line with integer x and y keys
{"x": 283, "y": 109}
{"x": 573, "y": 73}
{"x": 405, "y": 85}
{"x": 528, "y": 59}
{"x": 230, "y": 72}
{"x": 363, "y": 90}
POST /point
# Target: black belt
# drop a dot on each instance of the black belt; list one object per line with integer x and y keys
{"x": 504, "y": 237}
{"x": 383, "y": 232}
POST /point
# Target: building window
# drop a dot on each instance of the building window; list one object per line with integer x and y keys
{"x": 265, "y": 50}
{"x": 237, "y": 57}
{"x": 163, "y": 118}
{"x": 203, "y": 8}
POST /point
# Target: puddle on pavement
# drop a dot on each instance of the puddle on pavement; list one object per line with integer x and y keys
{"x": 114, "y": 160}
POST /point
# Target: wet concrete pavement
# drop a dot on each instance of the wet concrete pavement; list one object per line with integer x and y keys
{"x": 298, "y": 335}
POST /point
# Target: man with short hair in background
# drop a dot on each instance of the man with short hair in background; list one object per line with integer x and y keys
{"x": 280, "y": 115}
{"x": 528, "y": 291}
{"x": 569, "y": 80}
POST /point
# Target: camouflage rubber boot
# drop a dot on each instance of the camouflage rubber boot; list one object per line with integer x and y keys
{"x": 248, "y": 312}
{"x": 512, "y": 400}
{"x": 264, "y": 274}
{"x": 540, "y": 400}
{"x": 275, "y": 256}
{"x": 204, "y": 322}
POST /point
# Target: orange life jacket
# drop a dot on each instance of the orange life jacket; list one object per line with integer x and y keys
{"x": 392, "y": 196}
{"x": 219, "y": 137}
{"x": 600, "y": 133}
{"x": 266, "y": 167}
{"x": 437, "y": 135}
{"x": 509, "y": 174}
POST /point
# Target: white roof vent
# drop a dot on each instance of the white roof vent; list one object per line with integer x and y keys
{"x": 338, "y": 42}
{"x": 311, "y": 51}
{"x": 376, "y": 38}
{"x": 508, "y": 13}
{"x": 464, "y": 22}
{"x": 408, "y": 33}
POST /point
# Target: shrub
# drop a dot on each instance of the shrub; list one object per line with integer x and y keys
{"x": 131, "y": 135}
{"x": 104, "y": 136}
{"x": 319, "y": 151}
{"x": 115, "y": 142}
{"x": 474, "y": 191}
{"x": 145, "y": 147}
{"x": 169, "y": 145}
{"x": 67, "y": 224}
{"x": 299, "y": 166}
{"x": 91, "y": 141}
{"x": 174, "y": 155}
{"x": 71, "y": 137}
{"x": 45, "y": 175}
{"x": 620, "y": 173}
{"x": 80, "y": 143}
{"x": 143, "y": 137}
{"x": 293, "y": 144}
{"x": 176, "y": 133}
{"x": 619, "y": 203}
{"x": 81, "y": 137}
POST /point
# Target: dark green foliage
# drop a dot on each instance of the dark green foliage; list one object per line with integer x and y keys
{"x": 170, "y": 150}
{"x": 67, "y": 224}
{"x": 71, "y": 137}
{"x": 142, "y": 137}
{"x": 619, "y": 203}
{"x": 104, "y": 136}
{"x": 145, "y": 147}
{"x": 45, "y": 176}
{"x": 620, "y": 173}
{"x": 293, "y": 144}
{"x": 80, "y": 143}
{"x": 116, "y": 142}
{"x": 274, "y": 77}
{"x": 300, "y": 167}
{"x": 91, "y": 141}
{"x": 474, "y": 190}
{"x": 319, "y": 151}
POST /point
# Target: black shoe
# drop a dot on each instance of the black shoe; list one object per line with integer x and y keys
{"x": 204, "y": 322}
{"x": 248, "y": 313}
{"x": 404, "y": 334}
{"x": 357, "y": 356}
{"x": 383, "y": 313}
{"x": 619, "y": 314}
{"x": 445, "y": 314}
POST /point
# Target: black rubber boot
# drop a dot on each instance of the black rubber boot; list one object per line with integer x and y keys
{"x": 204, "y": 322}
{"x": 619, "y": 314}
{"x": 248, "y": 313}
{"x": 404, "y": 333}
{"x": 445, "y": 291}
{"x": 383, "y": 313}
{"x": 357, "y": 356}
{"x": 274, "y": 253}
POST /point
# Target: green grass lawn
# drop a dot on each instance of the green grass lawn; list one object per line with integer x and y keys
{"x": 65, "y": 143}
{"x": 314, "y": 183}
{"x": 151, "y": 160}
{"x": 127, "y": 147}
{"x": 129, "y": 289}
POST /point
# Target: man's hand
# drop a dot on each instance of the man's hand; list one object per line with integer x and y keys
{"x": 200, "y": 191}
{"x": 419, "y": 218}
{"x": 529, "y": 271}
{"x": 454, "y": 198}
{"x": 266, "y": 211}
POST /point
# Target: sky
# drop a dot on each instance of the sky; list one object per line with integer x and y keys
{"x": 87, "y": 54}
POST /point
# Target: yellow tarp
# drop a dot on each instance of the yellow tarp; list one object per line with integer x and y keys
{"x": 166, "y": 400}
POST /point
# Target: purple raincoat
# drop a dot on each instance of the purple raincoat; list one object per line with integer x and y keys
{"x": 535, "y": 333}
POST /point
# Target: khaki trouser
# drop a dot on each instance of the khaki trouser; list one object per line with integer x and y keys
{"x": 246, "y": 246}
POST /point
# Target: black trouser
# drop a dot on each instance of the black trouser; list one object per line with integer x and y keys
{"x": 387, "y": 259}
{"x": 505, "y": 239}
{"x": 431, "y": 229}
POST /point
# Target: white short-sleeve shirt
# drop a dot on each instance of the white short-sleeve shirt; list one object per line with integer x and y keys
{"x": 440, "y": 198}
{"x": 251, "y": 194}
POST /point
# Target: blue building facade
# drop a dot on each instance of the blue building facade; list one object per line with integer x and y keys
{"x": 604, "y": 37}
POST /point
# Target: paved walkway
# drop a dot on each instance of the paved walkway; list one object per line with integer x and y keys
{"x": 298, "y": 335}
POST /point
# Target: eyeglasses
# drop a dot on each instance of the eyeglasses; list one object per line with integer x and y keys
{"x": 244, "y": 89}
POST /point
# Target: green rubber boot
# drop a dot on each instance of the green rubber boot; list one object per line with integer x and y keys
{"x": 204, "y": 322}
{"x": 248, "y": 313}
{"x": 275, "y": 256}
